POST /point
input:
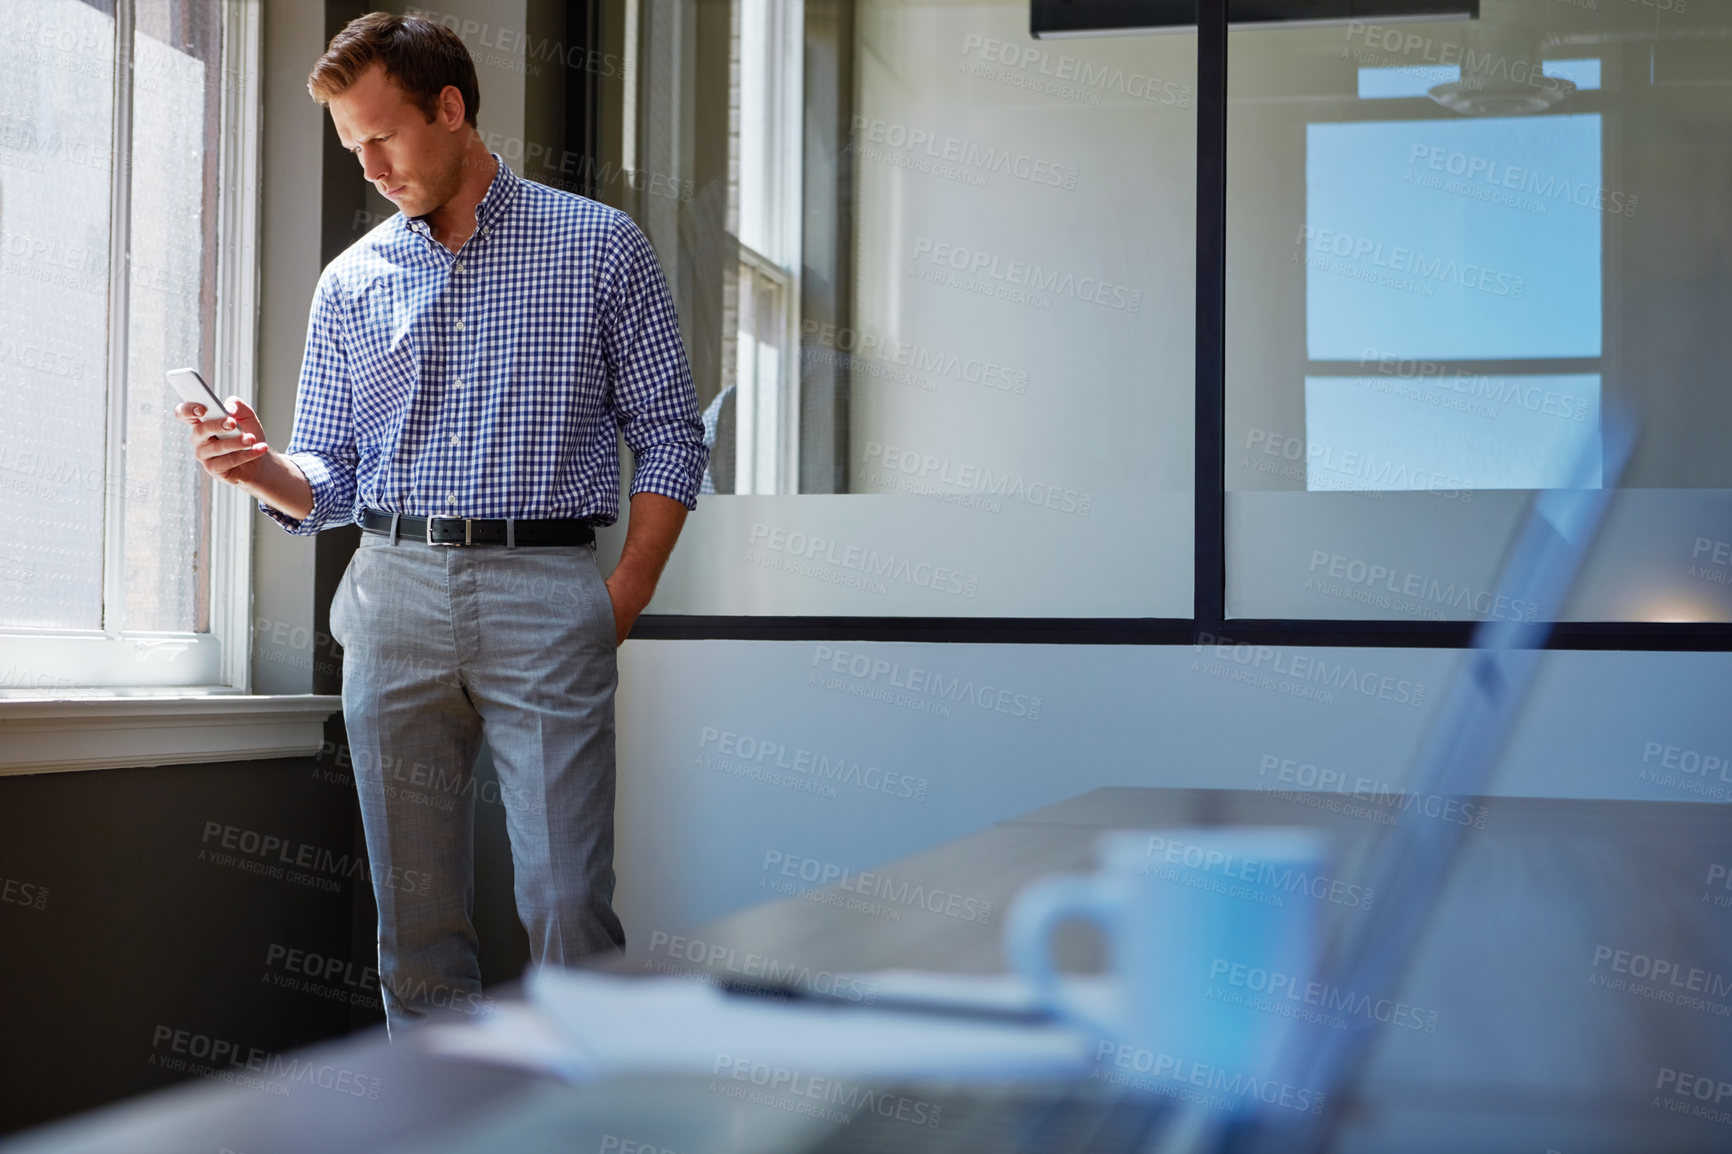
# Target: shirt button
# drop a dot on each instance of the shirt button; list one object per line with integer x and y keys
{"x": 459, "y": 326}
{"x": 453, "y": 438}
{"x": 457, "y": 384}
{"x": 459, "y": 266}
{"x": 451, "y": 497}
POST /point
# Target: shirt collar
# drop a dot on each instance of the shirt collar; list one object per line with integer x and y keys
{"x": 499, "y": 194}
{"x": 493, "y": 205}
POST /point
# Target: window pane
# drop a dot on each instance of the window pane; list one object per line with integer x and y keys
{"x": 989, "y": 411}
{"x": 1452, "y": 248}
{"x": 56, "y": 125}
{"x": 1477, "y": 432}
{"x": 1508, "y": 268}
{"x": 170, "y": 309}
{"x": 760, "y": 383}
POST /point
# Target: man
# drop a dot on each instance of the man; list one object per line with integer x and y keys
{"x": 469, "y": 364}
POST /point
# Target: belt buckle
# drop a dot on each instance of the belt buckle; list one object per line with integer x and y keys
{"x": 449, "y": 544}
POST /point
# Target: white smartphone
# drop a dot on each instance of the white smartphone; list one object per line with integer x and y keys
{"x": 191, "y": 386}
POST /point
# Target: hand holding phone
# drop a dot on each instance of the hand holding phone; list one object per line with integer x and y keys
{"x": 228, "y": 454}
{"x": 192, "y": 389}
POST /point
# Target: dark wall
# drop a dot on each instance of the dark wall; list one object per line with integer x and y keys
{"x": 141, "y": 922}
{"x": 139, "y": 902}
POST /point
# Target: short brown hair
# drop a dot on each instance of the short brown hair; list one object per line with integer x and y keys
{"x": 419, "y": 56}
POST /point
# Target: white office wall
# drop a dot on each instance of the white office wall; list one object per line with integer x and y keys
{"x": 948, "y": 159}
{"x": 720, "y": 741}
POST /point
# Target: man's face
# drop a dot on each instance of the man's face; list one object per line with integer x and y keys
{"x": 414, "y": 164}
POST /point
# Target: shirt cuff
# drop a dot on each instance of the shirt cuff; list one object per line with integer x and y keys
{"x": 679, "y": 478}
{"x": 326, "y": 486}
{"x": 286, "y": 521}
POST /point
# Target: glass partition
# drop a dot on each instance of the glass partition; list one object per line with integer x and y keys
{"x": 936, "y": 279}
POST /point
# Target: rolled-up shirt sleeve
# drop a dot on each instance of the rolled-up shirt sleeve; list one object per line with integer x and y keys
{"x": 323, "y": 442}
{"x": 654, "y": 401}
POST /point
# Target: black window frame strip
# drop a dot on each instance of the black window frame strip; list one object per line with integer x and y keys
{"x": 1670, "y": 637}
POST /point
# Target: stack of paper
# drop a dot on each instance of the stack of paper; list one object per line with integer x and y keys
{"x": 583, "y": 1025}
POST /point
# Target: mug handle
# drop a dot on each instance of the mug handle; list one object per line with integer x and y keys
{"x": 1038, "y": 910}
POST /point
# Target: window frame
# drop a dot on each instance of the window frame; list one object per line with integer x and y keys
{"x": 786, "y": 398}
{"x": 112, "y": 661}
{"x": 778, "y": 259}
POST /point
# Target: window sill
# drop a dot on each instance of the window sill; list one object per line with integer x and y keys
{"x": 39, "y": 735}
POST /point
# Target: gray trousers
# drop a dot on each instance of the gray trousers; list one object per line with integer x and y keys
{"x": 445, "y": 646}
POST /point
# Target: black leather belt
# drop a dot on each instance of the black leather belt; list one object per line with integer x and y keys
{"x": 473, "y": 531}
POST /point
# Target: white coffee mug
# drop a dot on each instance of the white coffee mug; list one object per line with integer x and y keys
{"x": 1191, "y": 917}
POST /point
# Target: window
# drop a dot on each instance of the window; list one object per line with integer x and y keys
{"x": 1389, "y": 204}
{"x": 755, "y": 415}
{"x": 126, "y": 223}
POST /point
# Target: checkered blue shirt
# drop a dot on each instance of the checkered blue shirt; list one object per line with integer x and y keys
{"x": 494, "y": 382}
